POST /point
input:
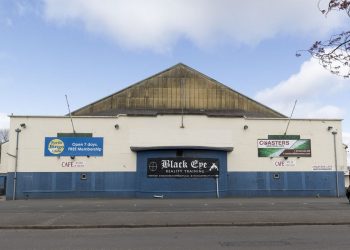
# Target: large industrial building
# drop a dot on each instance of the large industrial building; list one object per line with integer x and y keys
{"x": 178, "y": 133}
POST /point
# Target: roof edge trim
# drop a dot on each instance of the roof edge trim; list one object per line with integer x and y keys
{"x": 137, "y": 149}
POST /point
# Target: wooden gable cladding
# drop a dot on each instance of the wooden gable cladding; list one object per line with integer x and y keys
{"x": 179, "y": 89}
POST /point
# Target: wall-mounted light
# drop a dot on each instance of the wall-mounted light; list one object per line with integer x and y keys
{"x": 286, "y": 157}
{"x": 245, "y": 127}
{"x": 23, "y": 125}
{"x": 329, "y": 128}
{"x": 116, "y": 126}
{"x": 72, "y": 157}
{"x": 119, "y": 115}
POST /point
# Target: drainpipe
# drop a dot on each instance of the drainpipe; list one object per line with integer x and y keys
{"x": 336, "y": 161}
{"x": 217, "y": 186}
{"x": 16, "y": 164}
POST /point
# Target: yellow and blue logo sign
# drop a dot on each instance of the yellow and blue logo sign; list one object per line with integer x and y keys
{"x": 73, "y": 146}
{"x": 56, "y": 146}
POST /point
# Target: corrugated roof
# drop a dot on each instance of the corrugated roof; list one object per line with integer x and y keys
{"x": 178, "y": 90}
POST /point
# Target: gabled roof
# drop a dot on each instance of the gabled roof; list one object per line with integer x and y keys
{"x": 178, "y": 90}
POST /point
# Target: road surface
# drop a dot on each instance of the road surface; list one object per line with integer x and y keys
{"x": 272, "y": 237}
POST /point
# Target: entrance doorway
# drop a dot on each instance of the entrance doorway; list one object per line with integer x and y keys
{"x": 181, "y": 173}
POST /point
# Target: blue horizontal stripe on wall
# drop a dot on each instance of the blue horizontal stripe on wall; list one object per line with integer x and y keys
{"x": 70, "y": 184}
{"x": 250, "y": 184}
{"x": 132, "y": 184}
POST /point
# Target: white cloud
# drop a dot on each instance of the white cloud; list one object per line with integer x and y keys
{"x": 4, "y": 121}
{"x": 327, "y": 111}
{"x": 158, "y": 24}
{"x": 310, "y": 86}
{"x": 313, "y": 87}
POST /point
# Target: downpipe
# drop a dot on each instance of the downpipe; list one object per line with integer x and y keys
{"x": 217, "y": 186}
{"x": 16, "y": 165}
{"x": 336, "y": 161}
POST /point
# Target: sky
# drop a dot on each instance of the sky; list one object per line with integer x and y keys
{"x": 89, "y": 49}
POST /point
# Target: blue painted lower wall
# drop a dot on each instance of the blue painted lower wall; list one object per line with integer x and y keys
{"x": 70, "y": 185}
{"x": 136, "y": 184}
{"x": 252, "y": 184}
{"x": 2, "y": 184}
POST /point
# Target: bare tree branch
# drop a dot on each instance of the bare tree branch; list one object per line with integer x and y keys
{"x": 333, "y": 54}
{"x": 4, "y": 135}
{"x": 334, "y": 5}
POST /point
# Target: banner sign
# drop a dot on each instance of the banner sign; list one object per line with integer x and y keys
{"x": 284, "y": 147}
{"x": 73, "y": 146}
{"x": 182, "y": 167}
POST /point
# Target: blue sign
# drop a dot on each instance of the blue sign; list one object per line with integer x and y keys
{"x": 73, "y": 146}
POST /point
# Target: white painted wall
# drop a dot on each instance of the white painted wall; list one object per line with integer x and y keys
{"x": 164, "y": 130}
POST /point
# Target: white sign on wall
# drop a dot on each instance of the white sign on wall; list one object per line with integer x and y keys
{"x": 322, "y": 167}
{"x": 73, "y": 164}
{"x": 284, "y": 162}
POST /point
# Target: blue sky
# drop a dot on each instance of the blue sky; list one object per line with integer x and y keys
{"x": 89, "y": 49}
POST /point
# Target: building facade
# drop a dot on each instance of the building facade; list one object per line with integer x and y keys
{"x": 176, "y": 134}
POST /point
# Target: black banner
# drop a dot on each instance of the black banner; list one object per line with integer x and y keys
{"x": 182, "y": 167}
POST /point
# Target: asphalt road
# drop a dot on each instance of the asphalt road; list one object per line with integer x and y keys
{"x": 114, "y": 213}
{"x": 275, "y": 237}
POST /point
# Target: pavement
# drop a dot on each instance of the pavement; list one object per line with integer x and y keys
{"x": 141, "y": 213}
